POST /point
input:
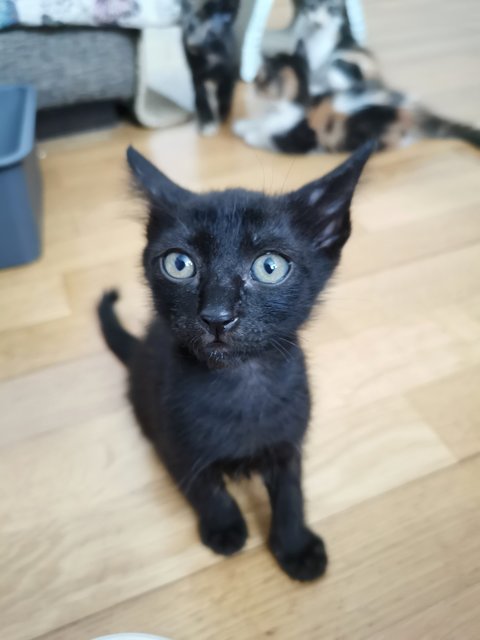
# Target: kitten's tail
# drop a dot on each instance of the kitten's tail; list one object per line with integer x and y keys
{"x": 434, "y": 126}
{"x": 118, "y": 339}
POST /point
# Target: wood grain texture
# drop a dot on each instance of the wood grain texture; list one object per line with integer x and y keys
{"x": 93, "y": 537}
{"x": 452, "y": 406}
{"x": 386, "y": 570}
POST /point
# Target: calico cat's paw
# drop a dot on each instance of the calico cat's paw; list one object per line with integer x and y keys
{"x": 241, "y": 127}
{"x": 258, "y": 140}
{"x": 225, "y": 539}
{"x": 251, "y": 133}
{"x": 308, "y": 561}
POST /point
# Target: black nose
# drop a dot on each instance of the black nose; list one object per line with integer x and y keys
{"x": 219, "y": 321}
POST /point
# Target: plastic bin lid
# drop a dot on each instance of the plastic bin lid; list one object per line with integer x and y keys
{"x": 17, "y": 122}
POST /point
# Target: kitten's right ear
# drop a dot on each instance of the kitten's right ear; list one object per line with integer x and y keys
{"x": 153, "y": 183}
{"x": 322, "y": 207}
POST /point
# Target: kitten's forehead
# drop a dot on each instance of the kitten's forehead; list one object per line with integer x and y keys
{"x": 233, "y": 223}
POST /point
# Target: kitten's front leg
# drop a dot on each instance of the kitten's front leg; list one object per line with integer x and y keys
{"x": 297, "y": 549}
{"x": 224, "y": 94}
{"x": 206, "y": 117}
{"x": 221, "y": 524}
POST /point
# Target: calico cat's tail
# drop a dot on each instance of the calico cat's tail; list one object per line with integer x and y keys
{"x": 118, "y": 339}
{"x": 433, "y": 126}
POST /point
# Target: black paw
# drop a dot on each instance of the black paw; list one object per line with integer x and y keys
{"x": 225, "y": 539}
{"x": 306, "y": 560}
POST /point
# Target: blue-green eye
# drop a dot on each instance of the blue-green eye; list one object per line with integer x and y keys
{"x": 178, "y": 265}
{"x": 270, "y": 268}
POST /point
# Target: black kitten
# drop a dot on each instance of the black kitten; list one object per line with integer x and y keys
{"x": 218, "y": 384}
{"x": 209, "y": 44}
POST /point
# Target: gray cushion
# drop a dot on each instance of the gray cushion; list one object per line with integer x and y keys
{"x": 70, "y": 65}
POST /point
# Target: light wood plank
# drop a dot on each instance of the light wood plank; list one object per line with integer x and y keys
{"x": 392, "y": 558}
{"x": 411, "y": 290}
{"x": 395, "y": 245}
{"x": 48, "y": 343}
{"x": 406, "y": 195}
{"x": 383, "y": 360}
{"x": 26, "y": 302}
{"x": 60, "y": 396}
{"x": 452, "y": 407}
{"x": 462, "y": 620}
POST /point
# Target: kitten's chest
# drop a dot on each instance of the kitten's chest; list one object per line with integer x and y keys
{"x": 237, "y": 413}
{"x": 320, "y": 45}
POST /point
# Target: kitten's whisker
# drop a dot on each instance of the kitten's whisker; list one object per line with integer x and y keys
{"x": 288, "y": 174}
{"x": 281, "y": 349}
{"x": 272, "y": 343}
{"x": 290, "y": 342}
{"x": 263, "y": 169}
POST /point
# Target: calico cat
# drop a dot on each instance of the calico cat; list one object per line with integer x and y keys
{"x": 339, "y": 119}
{"x": 336, "y": 61}
{"x": 209, "y": 43}
{"x": 218, "y": 384}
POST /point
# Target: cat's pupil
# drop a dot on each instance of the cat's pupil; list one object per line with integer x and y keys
{"x": 269, "y": 265}
{"x": 180, "y": 263}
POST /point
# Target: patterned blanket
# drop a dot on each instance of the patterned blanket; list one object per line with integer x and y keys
{"x": 135, "y": 14}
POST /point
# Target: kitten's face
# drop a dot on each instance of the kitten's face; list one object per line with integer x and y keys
{"x": 283, "y": 76}
{"x": 237, "y": 259}
{"x": 277, "y": 78}
{"x": 205, "y": 27}
{"x": 237, "y": 272}
{"x": 325, "y": 13}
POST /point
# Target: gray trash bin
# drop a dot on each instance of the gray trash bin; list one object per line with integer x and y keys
{"x": 20, "y": 179}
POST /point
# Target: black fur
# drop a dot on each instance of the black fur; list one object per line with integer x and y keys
{"x": 273, "y": 66}
{"x": 439, "y": 127}
{"x": 120, "y": 341}
{"x": 368, "y": 124}
{"x": 300, "y": 139}
{"x": 209, "y": 45}
{"x": 232, "y": 398}
{"x": 350, "y": 69}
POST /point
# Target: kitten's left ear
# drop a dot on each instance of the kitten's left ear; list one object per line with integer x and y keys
{"x": 322, "y": 207}
{"x": 153, "y": 183}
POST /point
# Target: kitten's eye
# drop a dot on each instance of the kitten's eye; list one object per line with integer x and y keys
{"x": 178, "y": 265}
{"x": 270, "y": 268}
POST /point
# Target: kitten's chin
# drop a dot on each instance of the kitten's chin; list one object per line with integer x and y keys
{"x": 219, "y": 356}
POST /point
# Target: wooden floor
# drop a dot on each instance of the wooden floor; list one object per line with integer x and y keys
{"x": 93, "y": 537}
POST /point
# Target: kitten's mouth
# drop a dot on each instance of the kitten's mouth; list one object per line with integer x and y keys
{"x": 218, "y": 351}
{"x": 217, "y": 345}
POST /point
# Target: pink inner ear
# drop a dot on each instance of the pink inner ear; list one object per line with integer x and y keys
{"x": 328, "y": 235}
